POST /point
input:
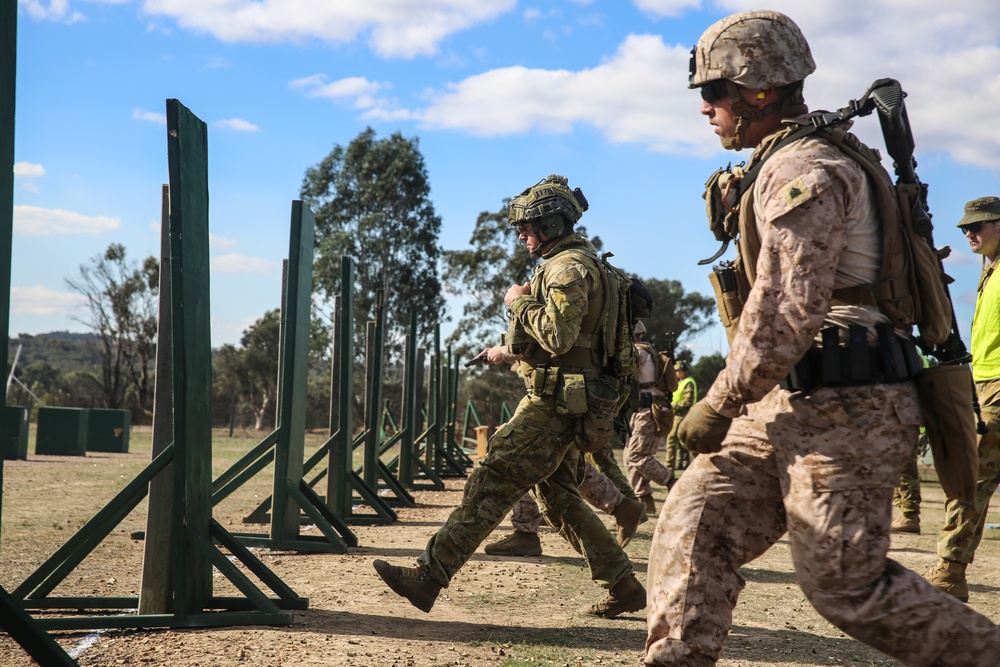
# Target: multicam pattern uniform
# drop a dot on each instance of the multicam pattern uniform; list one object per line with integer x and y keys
{"x": 534, "y": 450}
{"x": 963, "y": 523}
{"x": 640, "y": 451}
{"x": 821, "y": 466}
{"x": 596, "y": 488}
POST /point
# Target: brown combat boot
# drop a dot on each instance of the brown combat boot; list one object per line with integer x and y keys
{"x": 517, "y": 543}
{"x": 625, "y": 596}
{"x": 413, "y": 583}
{"x": 628, "y": 515}
{"x": 949, "y": 576}
{"x": 649, "y": 502}
{"x": 906, "y": 524}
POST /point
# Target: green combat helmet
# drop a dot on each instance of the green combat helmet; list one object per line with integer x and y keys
{"x": 756, "y": 49}
{"x": 549, "y": 205}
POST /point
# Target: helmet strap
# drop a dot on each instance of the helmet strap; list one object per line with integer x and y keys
{"x": 746, "y": 114}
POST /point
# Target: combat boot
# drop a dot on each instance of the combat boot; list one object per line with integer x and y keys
{"x": 625, "y": 596}
{"x": 906, "y": 524}
{"x": 628, "y": 515}
{"x": 517, "y": 543}
{"x": 413, "y": 583}
{"x": 649, "y": 502}
{"x": 949, "y": 576}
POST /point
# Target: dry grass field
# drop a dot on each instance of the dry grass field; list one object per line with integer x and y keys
{"x": 514, "y": 612}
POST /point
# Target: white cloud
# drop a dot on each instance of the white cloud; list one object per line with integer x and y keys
{"x": 36, "y": 221}
{"x": 219, "y": 242}
{"x": 357, "y": 90}
{"x": 39, "y": 300}
{"x": 237, "y": 124}
{"x": 631, "y": 97}
{"x": 28, "y": 170}
{"x": 946, "y": 59}
{"x": 234, "y": 263}
{"x": 392, "y": 28}
{"x": 56, "y": 10}
{"x": 661, "y": 8}
{"x": 149, "y": 116}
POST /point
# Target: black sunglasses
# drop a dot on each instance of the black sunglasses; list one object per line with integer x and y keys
{"x": 973, "y": 227}
{"x": 713, "y": 91}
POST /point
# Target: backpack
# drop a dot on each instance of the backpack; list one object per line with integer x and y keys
{"x": 628, "y": 300}
{"x": 911, "y": 288}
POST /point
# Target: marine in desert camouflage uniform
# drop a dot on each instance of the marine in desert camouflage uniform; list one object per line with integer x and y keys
{"x": 553, "y": 320}
{"x": 645, "y": 440}
{"x": 821, "y": 464}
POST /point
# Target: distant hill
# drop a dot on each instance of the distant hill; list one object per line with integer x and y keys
{"x": 63, "y": 350}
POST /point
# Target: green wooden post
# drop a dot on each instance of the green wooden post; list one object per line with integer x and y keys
{"x": 409, "y": 408}
{"x": 187, "y": 151}
{"x": 376, "y": 358}
{"x": 340, "y": 465}
{"x": 290, "y": 448}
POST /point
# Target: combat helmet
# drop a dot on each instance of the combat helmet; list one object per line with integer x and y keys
{"x": 639, "y": 329}
{"x": 756, "y": 49}
{"x": 549, "y": 205}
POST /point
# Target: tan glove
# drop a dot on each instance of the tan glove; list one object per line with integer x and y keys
{"x": 703, "y": 429}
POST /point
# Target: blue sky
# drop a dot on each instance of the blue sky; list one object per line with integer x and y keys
{"x": 500, "y": 94}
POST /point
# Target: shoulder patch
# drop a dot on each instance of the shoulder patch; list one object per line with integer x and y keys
{"x": 796, "y": 193}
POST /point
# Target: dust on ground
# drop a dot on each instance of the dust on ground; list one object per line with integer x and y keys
{"x": 503, "y": 612}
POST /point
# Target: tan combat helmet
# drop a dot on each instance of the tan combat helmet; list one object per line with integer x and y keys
{"x": 757, "y": 49}
{"x": 639, "y": 330}
{"x": 549, "y": 205}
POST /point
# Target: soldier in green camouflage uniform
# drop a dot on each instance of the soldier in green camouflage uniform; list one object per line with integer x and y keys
{"x": 556, "y": 320}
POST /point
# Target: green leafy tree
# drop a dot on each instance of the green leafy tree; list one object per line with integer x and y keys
{"x": 371, "y": 201}
{"x": 121, "y": 303}
{"x": 260, "y": 365}
{"x": 674, "y": 310}
{"x": 706, "y": 369}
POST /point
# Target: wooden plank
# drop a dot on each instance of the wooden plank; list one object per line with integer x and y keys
{"x": 187, "y": 158}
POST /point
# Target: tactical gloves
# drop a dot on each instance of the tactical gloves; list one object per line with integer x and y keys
{"x": 703, "y": 429}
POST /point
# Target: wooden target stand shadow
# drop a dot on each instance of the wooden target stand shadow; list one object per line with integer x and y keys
{"x": 182, "y": 537}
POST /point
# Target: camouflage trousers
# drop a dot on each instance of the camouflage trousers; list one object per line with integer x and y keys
{"x": 964, "y": 522}
{"x": 533, "y": 451}
{"x": 640, "y": 454}
{"x": 678, "y": 458}
{"x": 906, "y": 496}
{"x": 821, "y": 467}
{"x": 596, "y": 488}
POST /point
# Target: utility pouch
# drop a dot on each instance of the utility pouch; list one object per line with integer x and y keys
{"x": 571, "y": 398}
{"x": 727, "y": 296}
{"x": 552, "y": 383}
{"x": 538, "y": 379}
{"x": 597, "y": 424}
{"x": 946, "y": 398}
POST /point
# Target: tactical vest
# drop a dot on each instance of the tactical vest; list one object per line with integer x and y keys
{"x": 587, "y": 352}
{"x": 893, "y": 293}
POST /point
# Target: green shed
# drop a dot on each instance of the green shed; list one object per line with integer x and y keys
{"x": 107, "y": 430}
{"x": 62, "y": 431}
{"x": 14, "y": 437}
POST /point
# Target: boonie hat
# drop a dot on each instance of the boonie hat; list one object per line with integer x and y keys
{"x": 984, "y": 209}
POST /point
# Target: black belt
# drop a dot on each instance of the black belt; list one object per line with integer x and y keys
{"x": 894, "y": 359}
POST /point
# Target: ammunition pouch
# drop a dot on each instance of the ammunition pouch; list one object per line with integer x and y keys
{"x": 597, "y": 425}
{"x": 726, "y": 284}
{"x": 834, "y": 365}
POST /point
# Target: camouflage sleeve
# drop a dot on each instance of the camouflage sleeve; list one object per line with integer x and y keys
{"x": 801, "y": 204}
{"x": 555, "y": 324}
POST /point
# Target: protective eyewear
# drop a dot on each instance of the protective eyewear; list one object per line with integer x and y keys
{"x": 524, "y": 228}
{"x": 973, "y": 227}
{"x": 713, "y": 91}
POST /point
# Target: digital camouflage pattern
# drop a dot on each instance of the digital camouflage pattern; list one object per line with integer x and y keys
{"x": 640, "y": 451}
{"x": 533, "y": 450}
{"x": 820, "y": 466}
{"x": 757, "y": 49}
{"x": 596, "y": 488}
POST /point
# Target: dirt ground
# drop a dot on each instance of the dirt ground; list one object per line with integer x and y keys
{"x": 503, "y": 612}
